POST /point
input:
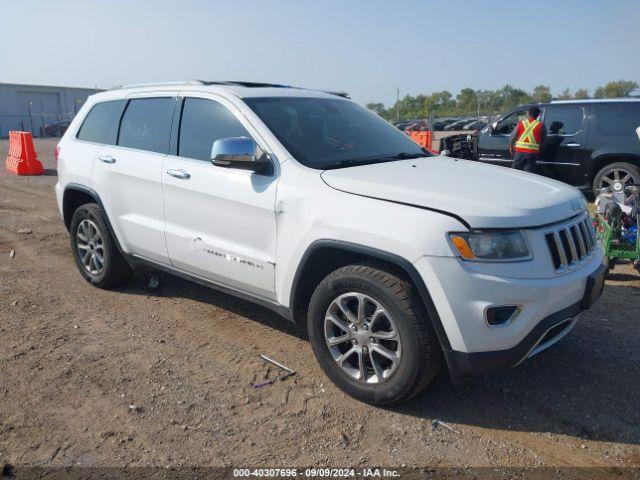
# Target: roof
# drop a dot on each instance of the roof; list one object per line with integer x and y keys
{"x": 240, "y": 88}
{"x": 598, "y": 100}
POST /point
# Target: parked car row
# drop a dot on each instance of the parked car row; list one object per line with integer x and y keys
{"x": 56, "y": 129}
{"x": 444, "y": 124}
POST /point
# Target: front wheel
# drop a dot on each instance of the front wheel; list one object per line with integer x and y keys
{"x": 372, "y": 336}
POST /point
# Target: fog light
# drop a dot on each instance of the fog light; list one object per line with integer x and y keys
{"x": 501, "y": 315}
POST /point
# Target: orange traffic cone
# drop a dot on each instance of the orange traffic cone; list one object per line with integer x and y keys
{"x": 22, "y": 158}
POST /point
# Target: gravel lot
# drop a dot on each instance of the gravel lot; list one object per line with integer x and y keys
{"x": 136, "y": 377}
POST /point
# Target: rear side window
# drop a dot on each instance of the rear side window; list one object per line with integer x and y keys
{"x": 146, "y": 124}
{"x": 617, "y": 119}
{"x": 203, "y": 122}
{"x": 101, "y": 123}
{"x": 563, "y": 120}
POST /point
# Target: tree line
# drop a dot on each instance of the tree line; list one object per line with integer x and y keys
{"x": 489, "y": 102}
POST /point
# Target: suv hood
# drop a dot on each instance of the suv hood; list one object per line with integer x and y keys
{"x": 484, "y": 196}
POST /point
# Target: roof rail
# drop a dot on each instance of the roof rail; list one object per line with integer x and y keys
{"x": 241, "y": 83}
{"x": 159, "y": 84}
{"x": 339, "y": 94}
{"x": 223, "y": 82}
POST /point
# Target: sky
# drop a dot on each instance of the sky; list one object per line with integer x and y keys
{"x": 366, "y": 48}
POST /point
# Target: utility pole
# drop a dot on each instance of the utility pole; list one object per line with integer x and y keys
{"x": 397, "y": 104}
{"x": 30, "y": 121}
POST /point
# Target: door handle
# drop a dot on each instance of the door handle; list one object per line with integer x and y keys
{"x": 572, "y": 145}
{"x": 178, "y": 173}
{"x": 107, "y": 159}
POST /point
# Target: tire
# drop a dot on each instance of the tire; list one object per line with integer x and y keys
{"x": 418, "y": 353}
{"x": 88, "y": 221}
{"x": 608, "y": 171}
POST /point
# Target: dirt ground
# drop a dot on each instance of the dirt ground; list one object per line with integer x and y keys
{"x": 137, "y": 377}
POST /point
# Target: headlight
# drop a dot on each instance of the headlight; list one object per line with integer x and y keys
{"x": 508, "y": 246}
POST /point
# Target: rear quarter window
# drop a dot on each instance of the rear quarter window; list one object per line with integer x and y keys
{"x": 146, "y": 124}
{"x": 617, "y": 119}
{"x": 101, "y": 123}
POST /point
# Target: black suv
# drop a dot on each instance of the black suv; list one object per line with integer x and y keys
{"x": 589, "y": 143}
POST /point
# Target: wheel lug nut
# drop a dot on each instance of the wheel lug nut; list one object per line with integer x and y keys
{"x": 364, "y": 327}
{"x": 354, "y": 341}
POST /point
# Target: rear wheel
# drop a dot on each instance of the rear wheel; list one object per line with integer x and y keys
{"x": 94, "y": 249}
{"x": 371, "y": 335}
{"x": 615, "y": 177}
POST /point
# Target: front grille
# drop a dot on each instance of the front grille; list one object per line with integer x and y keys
{"x": 571, "y": 244}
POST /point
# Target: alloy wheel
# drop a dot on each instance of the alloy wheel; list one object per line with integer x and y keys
{"x": 90, "y": 247}
{"x": 616, "y": 179}
{"x": 362, "y": 337}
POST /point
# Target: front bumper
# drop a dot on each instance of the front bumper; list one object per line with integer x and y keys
{"x": 546, "y": 333}
{"x": 549, "y": 308}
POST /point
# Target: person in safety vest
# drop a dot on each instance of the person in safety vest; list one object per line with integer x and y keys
{"x": 526, "y": 141}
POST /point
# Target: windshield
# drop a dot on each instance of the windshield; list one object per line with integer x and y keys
{"x": 326, "y": 133}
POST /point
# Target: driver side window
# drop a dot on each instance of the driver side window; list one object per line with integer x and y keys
{"x": 203, "y": 122}
{"x": 509, "y": 123}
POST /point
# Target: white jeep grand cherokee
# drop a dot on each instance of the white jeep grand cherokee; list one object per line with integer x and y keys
{"x": 395, "y": 260}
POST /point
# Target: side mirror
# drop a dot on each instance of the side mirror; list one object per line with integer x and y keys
{"x": 492, "y": 127}
{"x": 240, "y": 153}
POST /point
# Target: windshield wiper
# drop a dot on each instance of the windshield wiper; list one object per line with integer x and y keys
{"x": 405, "y": 156}
{"x": 352, "y": 162}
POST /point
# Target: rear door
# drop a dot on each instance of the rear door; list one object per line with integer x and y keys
{"x": 99, "y": 127}
{"x": 127, "y": 175}
{"x": 493, "y": 145}
{"x": 564, "y": 153}
{"x": 220, "y": 222}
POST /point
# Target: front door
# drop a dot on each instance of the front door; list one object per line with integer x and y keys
{"x": 563, "y": 152}
{"x": 493, "y": 145}
{"x": 220, "y": 222}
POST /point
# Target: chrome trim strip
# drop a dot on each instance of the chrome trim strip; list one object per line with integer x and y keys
{"x": 575, "y": 258}
{"x": 543, "y": 346}
{"x": 542, "y": 162}
{"x": 512, "y": 318}
{"x": 225, "y": 288}
{"x": 583, "y": 248}
{"x": 561, "y": 250}
{"x": 539, "y": 347}
{"x": 586, "y": 236}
